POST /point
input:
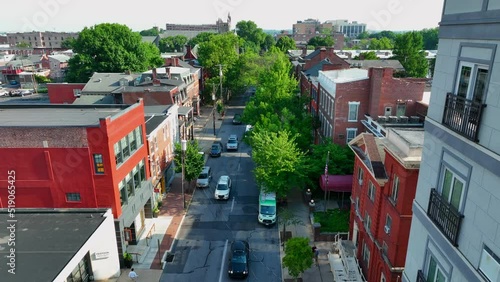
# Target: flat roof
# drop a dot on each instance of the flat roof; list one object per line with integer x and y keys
{"x": 46, "y": 240}
{"x": 152, "y": 122}
{"x": 56, "y": 115}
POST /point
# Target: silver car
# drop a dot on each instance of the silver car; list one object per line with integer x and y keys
{"x": 204, "y": 177}
{"x": 232, "y": 142}
{"x": 223, "y": 188}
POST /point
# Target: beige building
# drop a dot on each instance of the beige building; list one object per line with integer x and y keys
{"x": 39, "y": 39}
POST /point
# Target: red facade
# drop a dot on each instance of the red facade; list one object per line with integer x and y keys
{"x": 63, "y": 93}
{"x": 64, "y": 162}
{"x": 387, "y": 242}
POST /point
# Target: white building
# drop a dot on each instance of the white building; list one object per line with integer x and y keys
{"x": 60, "y": 245}
{"x": 455, "y": 231}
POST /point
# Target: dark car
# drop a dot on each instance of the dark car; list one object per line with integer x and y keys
{"x": 237, "y": 119}
{"x": 216, "y": 149}
{"x": 238, "y": 261}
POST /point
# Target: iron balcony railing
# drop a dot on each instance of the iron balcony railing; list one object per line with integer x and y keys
{"x": 421, "y": 276}
{"x": 463, "y": 116}
{"x": 445, "y": 216}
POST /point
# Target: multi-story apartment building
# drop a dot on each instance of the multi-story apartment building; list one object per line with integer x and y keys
{"x": 386, "y": 173}
{"x": 191, "y": 30}
{"x": 72, "y": 156}
{"x": 303, "y": 31}
{"x": 40, "y": 39}
{"x": 455, "y": 231}
{"x": 349, "y": 29}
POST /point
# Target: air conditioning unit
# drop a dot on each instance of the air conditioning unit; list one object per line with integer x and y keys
{"x": 414, "y": 119}
{"x": 387, "y": 229}
{"x": 393, "y": 119}
{"x": 403, "y": 119}
{"x": 382, "y": 119}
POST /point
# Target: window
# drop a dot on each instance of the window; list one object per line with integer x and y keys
{"x": 130, "y": 185}
{"x": 137, "y": 177}
{"x": 124, "y": 146}
{"x": 98, "y": 164}
{"x": 360, "y": 176}
{"x": 351, "y": 134}
{"x": 123, "y": 192}
{"x": 471, "y": 81}
{"x": 385, "y": 248}
{"x": 164, "y": 133}
{"x": 133, "y": 142}
{"x": 371, "y": 191}
{"x": 395, "y": 189}
{"x": 366, "y": 255}
{"x": 142, "y": 170}
{"x": 118, "y": 155}
{"x": 489, "y": 265}
{"x": 382, "y": 277}
{"x": 434, "y": 272}
{"x": 138, "y": 136}
{"x": 73, "y": 197}
{"x": 155, "y": 144}
{"x": 368, "y": 222}
{"x": 401, "y": 109}
{"x": 357, "y": 205}
{"x": 353, "y": 111}
{"x": 388, "y": 223}
{"x": 452, "y": 188}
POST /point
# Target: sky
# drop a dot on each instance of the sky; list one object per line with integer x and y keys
{"x": 74, "y": 15}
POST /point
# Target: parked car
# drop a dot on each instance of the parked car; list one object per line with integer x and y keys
{"x": 204, "y": 177}
{"x": 223, "y": 188}
{"x": 232, "y": 142}
{"x": 238, "y": 261}
{"x": 237, "y": 119}
{"x": 216, "y": 150}
{"x": 3, "y": 93}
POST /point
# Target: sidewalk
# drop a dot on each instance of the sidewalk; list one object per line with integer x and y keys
{"x": 300, "y": 209}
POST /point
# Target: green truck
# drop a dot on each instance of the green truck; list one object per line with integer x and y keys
{"x": 267, "y": 208}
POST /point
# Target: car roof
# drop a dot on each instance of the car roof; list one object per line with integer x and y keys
{"x": 239, "y": 245}
{"x": 224, "y": 179}
{"x": 233, "y": 136}
{"x": 205, "y": 169}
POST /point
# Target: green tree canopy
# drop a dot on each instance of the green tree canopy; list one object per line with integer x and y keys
{"x": 220, "y": 49}
{"x": 286, "y": 43}
{"x": 317, "y": 41}
{"x": 278, "y": 161}
{"x": 430, "y": 38}
{"x": 364, "y": 35}
{"x": 385, "y": 33}
{"x": 298, "y": 256}
{"x": 199, "y": 38}
{"x": 68, "y": 43}
{"x": 150, "y": 32}
{"x": 367, "y": 56}
{"x": 268, "y": 43}
{"x": 250, "y": 32}
{"x": 408, "y": 50}
{"x": 194, "y": 161}
{"x": 173, "y": 43}
{"x": 110, "y": 48}
{"x": 383, "y": 43}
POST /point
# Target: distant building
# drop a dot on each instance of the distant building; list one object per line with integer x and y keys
{"x": 303, "y": 31}
{"x": 191, "y": 30}
{"x": 40, "y": 39}
{"x": 349, "y": 29}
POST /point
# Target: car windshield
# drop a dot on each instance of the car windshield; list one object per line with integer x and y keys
{"x": 268, "y": 210}
{"x": 215, "y": 147}
{"x": 203, "y": 176}
{"x": 232, "y": 141}
{"x": 239, "y": 257}
{"x": 222, "y": 187}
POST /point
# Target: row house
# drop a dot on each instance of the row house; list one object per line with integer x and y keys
{"x": 455, "y": 231}
{"x": 74, "y": 156}
{"x": 385, "y": 179}
{"x": 347, "y": 96}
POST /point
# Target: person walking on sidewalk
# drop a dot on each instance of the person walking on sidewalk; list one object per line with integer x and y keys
{"x": 132, "y": 275}
{"x": 316, "y": 254}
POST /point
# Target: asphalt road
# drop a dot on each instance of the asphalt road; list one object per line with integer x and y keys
{"x": 201, "y": 252}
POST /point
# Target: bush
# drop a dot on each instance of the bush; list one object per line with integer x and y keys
{"x": 335, "y": 220}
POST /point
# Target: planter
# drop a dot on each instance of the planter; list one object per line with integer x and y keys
{"x": 128, "y": 263}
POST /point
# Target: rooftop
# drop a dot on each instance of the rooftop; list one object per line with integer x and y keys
{"x": 107, "y": 82}
{"x": 152, "y": 122}
{"x": 346, "y": 75}
{"x": 48, "y": 240}
{"x": 60, "y": 115}
{"x": 405, "y": 144}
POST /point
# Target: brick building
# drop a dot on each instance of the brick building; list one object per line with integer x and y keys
{"x": 72, "y": 156}
{"x": 345, "y": 97}
{"x": 40, "y": 39}
{"x": 385, "y": 179}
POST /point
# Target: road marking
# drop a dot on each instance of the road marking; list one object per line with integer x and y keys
{"x": 223, "y": 260}
{"x": 232, "y": 205}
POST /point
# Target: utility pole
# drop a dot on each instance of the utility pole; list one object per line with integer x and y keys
{"x": 326, "y": 176}
{"x": 220, "y": 78}
{"x": 213, "y": 110}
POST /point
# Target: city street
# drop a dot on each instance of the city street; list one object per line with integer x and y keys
{"x": 201, "y": 251}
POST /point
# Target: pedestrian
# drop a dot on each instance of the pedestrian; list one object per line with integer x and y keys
{"x": 315, "y": 253}
{"x": 132, "y": 275}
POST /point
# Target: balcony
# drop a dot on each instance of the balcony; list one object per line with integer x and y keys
{"x": 445, "y": 216}
{"x": 463, "y": 116}
{"x": 420, "y": 276}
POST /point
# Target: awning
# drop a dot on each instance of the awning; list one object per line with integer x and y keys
{"x": 336, "y": 183}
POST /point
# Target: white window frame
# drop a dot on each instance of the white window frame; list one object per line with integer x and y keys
{"x": 395, "y": 189}
{"x": 349, "y": 117}
{"x": 360, "y": 175}
{"x": 473, "y": 79}
{"x": 351, "y": 130}
{"x": 454, "y": 178}
{"x": 388, "y": 222}
{"x": 439, "y": 269}
{"x": 371, "y": 191}
{"x": 366, "y": 255}
{"x": 489, "y": 265}
{"x": 368, "y": 222}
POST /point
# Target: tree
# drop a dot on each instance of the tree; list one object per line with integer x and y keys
{"x": 278, "y": 161}
{"x": 220, "y": 49}
{"x": 430, "y": 38}
{"x": 23, "y": 45}
{"x": 193, "y": 162}
{"x": 317, "y": 41}
{"x": 68, "y": 43}
{"x": 298, "y": 256}
{"x": 268, "y": 43}
{"x": 250, "y": 32}
{"x": 110, "y": 48}
{"x": 200, "y": 37}
{"x": 173, "y": 43}
{"x": 287, "y": 217}
{"x": 408, "y": 50}
{"x": 367, "y": 56}
{"x": 42, "y": 79}
{"x": 383, "y": 43}
{"x": 286, "y": 43}
{"x": 364, "y": 35}
{"x": 150, "y": 32}
{"x": 385, "y": 33}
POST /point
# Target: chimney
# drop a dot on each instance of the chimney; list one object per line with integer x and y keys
{"x": 304, "y": 51}
{"x": 167, "y": 72}
{"x": 388, "y": 73}
{"x": 322, "y": 53}
{"x": 154, "y": 73}
{"x": 156, "y": 82}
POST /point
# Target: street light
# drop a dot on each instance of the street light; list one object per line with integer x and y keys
{"x": 213, "y": 111}
{"x": 183, "y": 148}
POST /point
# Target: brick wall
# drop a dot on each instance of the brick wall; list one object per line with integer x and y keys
{"x": 151, "y": 98}
{"x": 62, "y": 93}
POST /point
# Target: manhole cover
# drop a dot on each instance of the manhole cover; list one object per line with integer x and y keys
{"x": 170, "y": 257}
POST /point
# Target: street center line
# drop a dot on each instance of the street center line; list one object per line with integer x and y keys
{"x": 223, "y": 260}
{"x": 232, "y": 205}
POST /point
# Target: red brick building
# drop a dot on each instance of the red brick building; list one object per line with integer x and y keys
{"x": 385, "y": 181}
{"x": 71, "y": 156}
{"x": 346, "y": 96}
